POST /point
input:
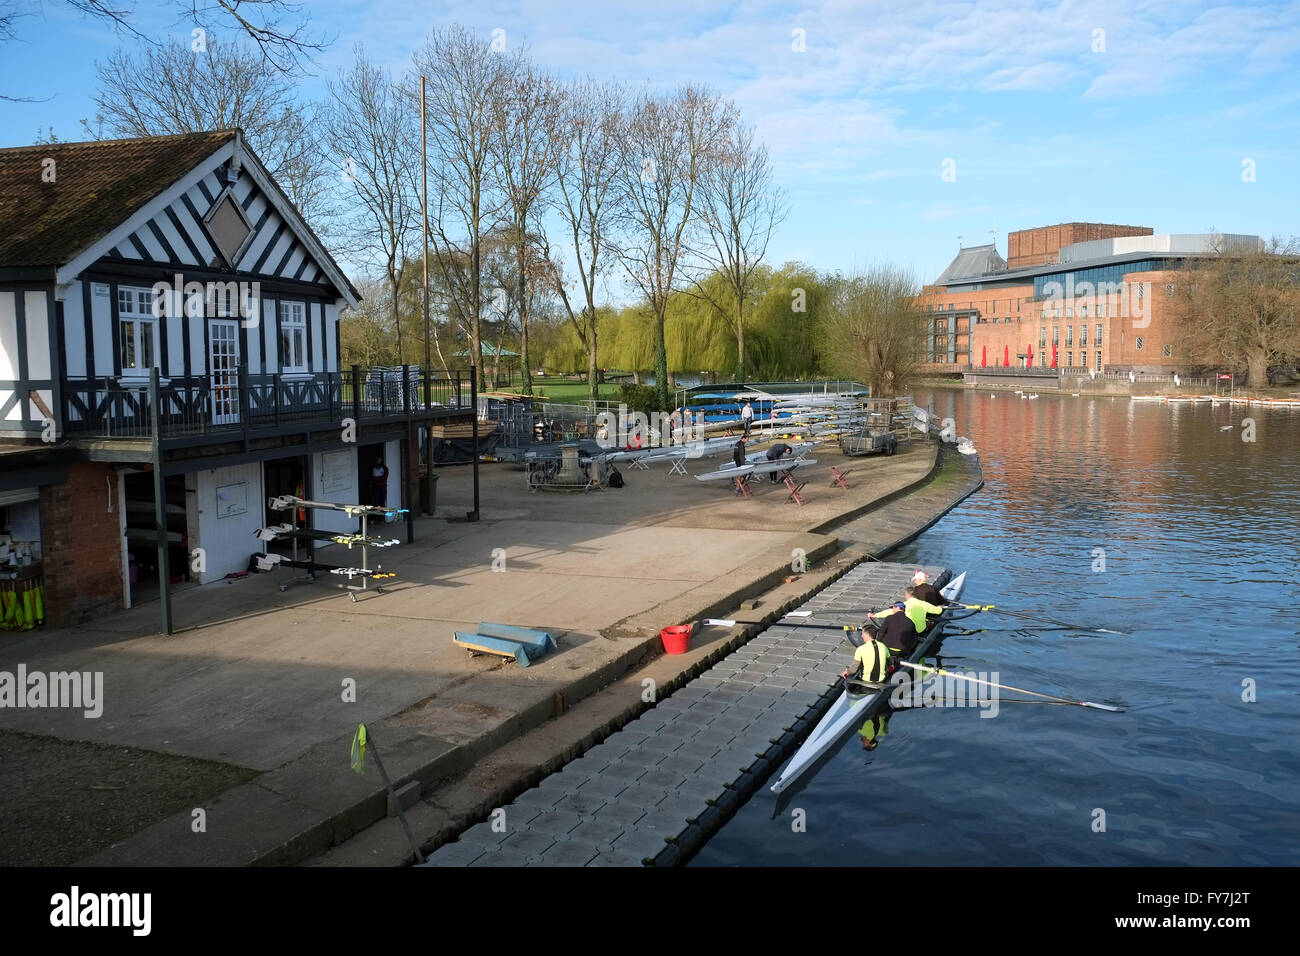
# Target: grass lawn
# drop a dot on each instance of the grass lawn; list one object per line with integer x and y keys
{"x": 555, "y": 390}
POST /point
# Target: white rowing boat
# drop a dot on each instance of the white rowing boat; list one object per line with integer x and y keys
{"x": 849, "y": 711}
{"x": 730, "y": 471}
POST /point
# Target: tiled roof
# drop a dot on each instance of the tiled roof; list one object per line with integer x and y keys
{"x": 96, "y": 187}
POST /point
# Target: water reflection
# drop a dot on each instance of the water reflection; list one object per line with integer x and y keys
{"x": 1195, "y": 535}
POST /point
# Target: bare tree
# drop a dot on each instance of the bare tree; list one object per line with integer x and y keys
{"x": 741, "y": 209}
{"x": 1242, "y": 305}
{"x": 371, "y": 130}
{"x": 525, "y": 154}
{"x": 283, "y": 46}
{"x": 873, "y": 329}
{"x": 586, "y": 198}
{"x": 465, "y": 77}
{"x": 668, "y": 146}
{"x": 171, "y": 88}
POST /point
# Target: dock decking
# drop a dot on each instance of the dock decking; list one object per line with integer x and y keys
{"x": 652, "y": 792}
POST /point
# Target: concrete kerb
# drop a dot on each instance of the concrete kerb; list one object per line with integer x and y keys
{"x": 471, "y": 804}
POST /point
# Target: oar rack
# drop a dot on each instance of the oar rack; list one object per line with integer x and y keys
{"x": 297, "y": 531}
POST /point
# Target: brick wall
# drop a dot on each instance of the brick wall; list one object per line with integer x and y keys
{"x": 81, "y": 543}
{"x": 1041, "y": 246}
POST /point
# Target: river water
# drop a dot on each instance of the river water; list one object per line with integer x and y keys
{"x": 1199, "y": 532}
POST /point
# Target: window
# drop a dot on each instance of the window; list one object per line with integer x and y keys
{"x": 1168, "y": 351}
{"x": 1042, "y": 338}
{"x": 1069, "y": 334}
{"x": 1169, "y": 288}
{"x": 137, "y": 330}
{"x": 1084, "y": 312}
{"x": 1069, "y": 359}
{"x": 1056, "y": 335}
{"x": 1098, "y": 360}
{"x": 1139, "y": 343}
{"x": 293, "y": 337}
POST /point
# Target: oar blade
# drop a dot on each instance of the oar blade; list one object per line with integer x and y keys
{"x": 1113, "y": 710}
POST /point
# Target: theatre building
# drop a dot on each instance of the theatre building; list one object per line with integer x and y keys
{"x": 1080, "y": 296}
{"x": 169, "y": 345}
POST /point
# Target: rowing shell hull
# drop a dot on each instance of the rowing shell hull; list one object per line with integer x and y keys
{"x": 846, "y": 712}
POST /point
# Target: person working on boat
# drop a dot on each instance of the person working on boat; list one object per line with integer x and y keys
{"x": 747, "y": 417}
{"x": 775, "y": 453}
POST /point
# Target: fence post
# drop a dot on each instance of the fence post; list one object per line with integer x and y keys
{"x": 160, "y": 507}
{"x": 356, "y": 393}
{"x": 244, "y": 405}
{"x": 275, "y": 384}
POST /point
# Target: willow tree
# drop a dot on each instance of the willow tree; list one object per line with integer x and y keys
{"x": 784, "y": 326}
{"x": 873, "y": 330}
{"x": 1242, "y": 305}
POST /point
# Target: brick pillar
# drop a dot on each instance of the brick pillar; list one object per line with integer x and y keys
{"x": 81, "y": 545}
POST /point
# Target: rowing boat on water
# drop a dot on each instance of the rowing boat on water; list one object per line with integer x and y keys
{"x": 850, "y": 710}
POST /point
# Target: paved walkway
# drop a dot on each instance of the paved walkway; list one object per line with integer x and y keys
{"x": 453, "y": 805}
{"x": 261, "y": 679}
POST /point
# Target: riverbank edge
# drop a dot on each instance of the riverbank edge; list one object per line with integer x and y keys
{"x": 450, "y": 807}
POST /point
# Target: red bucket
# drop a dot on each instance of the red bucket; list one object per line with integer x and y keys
{"x": 677, "y": 639}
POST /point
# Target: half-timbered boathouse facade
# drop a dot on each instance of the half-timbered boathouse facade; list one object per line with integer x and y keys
{"x": 169, "y": 348}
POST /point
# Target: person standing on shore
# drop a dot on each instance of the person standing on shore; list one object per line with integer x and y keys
{"x": 379, "y": 484}
{"x": 747, "y": 417}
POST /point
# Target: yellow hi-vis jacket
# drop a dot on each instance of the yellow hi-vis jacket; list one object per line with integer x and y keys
{"x": 916, "y": 610}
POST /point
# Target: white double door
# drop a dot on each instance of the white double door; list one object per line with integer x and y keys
{"x": 223, "y": 361}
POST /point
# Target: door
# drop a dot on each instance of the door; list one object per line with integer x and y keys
{"x": 224, "y": 363}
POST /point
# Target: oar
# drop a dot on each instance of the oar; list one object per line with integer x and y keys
{"x": 1018, "y": 690}
{"x": 1038, "y": 617}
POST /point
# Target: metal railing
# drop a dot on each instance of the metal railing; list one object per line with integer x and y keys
{"x": 201, "y": 404}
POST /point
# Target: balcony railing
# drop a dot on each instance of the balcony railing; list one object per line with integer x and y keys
{"x": 240, "y": 402}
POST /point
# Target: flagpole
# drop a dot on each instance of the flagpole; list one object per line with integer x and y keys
{"x": 424, "y": 222}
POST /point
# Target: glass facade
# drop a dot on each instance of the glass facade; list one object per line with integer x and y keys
{"x": 1113, "y": 273}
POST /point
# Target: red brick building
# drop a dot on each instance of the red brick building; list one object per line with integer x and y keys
{"x": 1075, "y": 295}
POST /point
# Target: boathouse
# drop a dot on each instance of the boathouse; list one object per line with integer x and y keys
{"x": 169, "y": 360}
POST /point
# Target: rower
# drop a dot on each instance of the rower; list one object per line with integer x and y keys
{"x": 895, "y": 629}
{"x": 925, "y": 591}
{"x": 871, "y": 659}
{"x": 915, "y": 608}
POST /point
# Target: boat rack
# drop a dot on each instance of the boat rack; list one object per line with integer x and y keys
{"x": 296, "y": 533}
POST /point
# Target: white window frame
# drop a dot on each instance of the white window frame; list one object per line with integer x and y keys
{"x": 144, "y": 327}
{"x": 293, "y": 320}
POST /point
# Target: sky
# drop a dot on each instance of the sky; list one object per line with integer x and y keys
{"x": 895, "y": 128}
